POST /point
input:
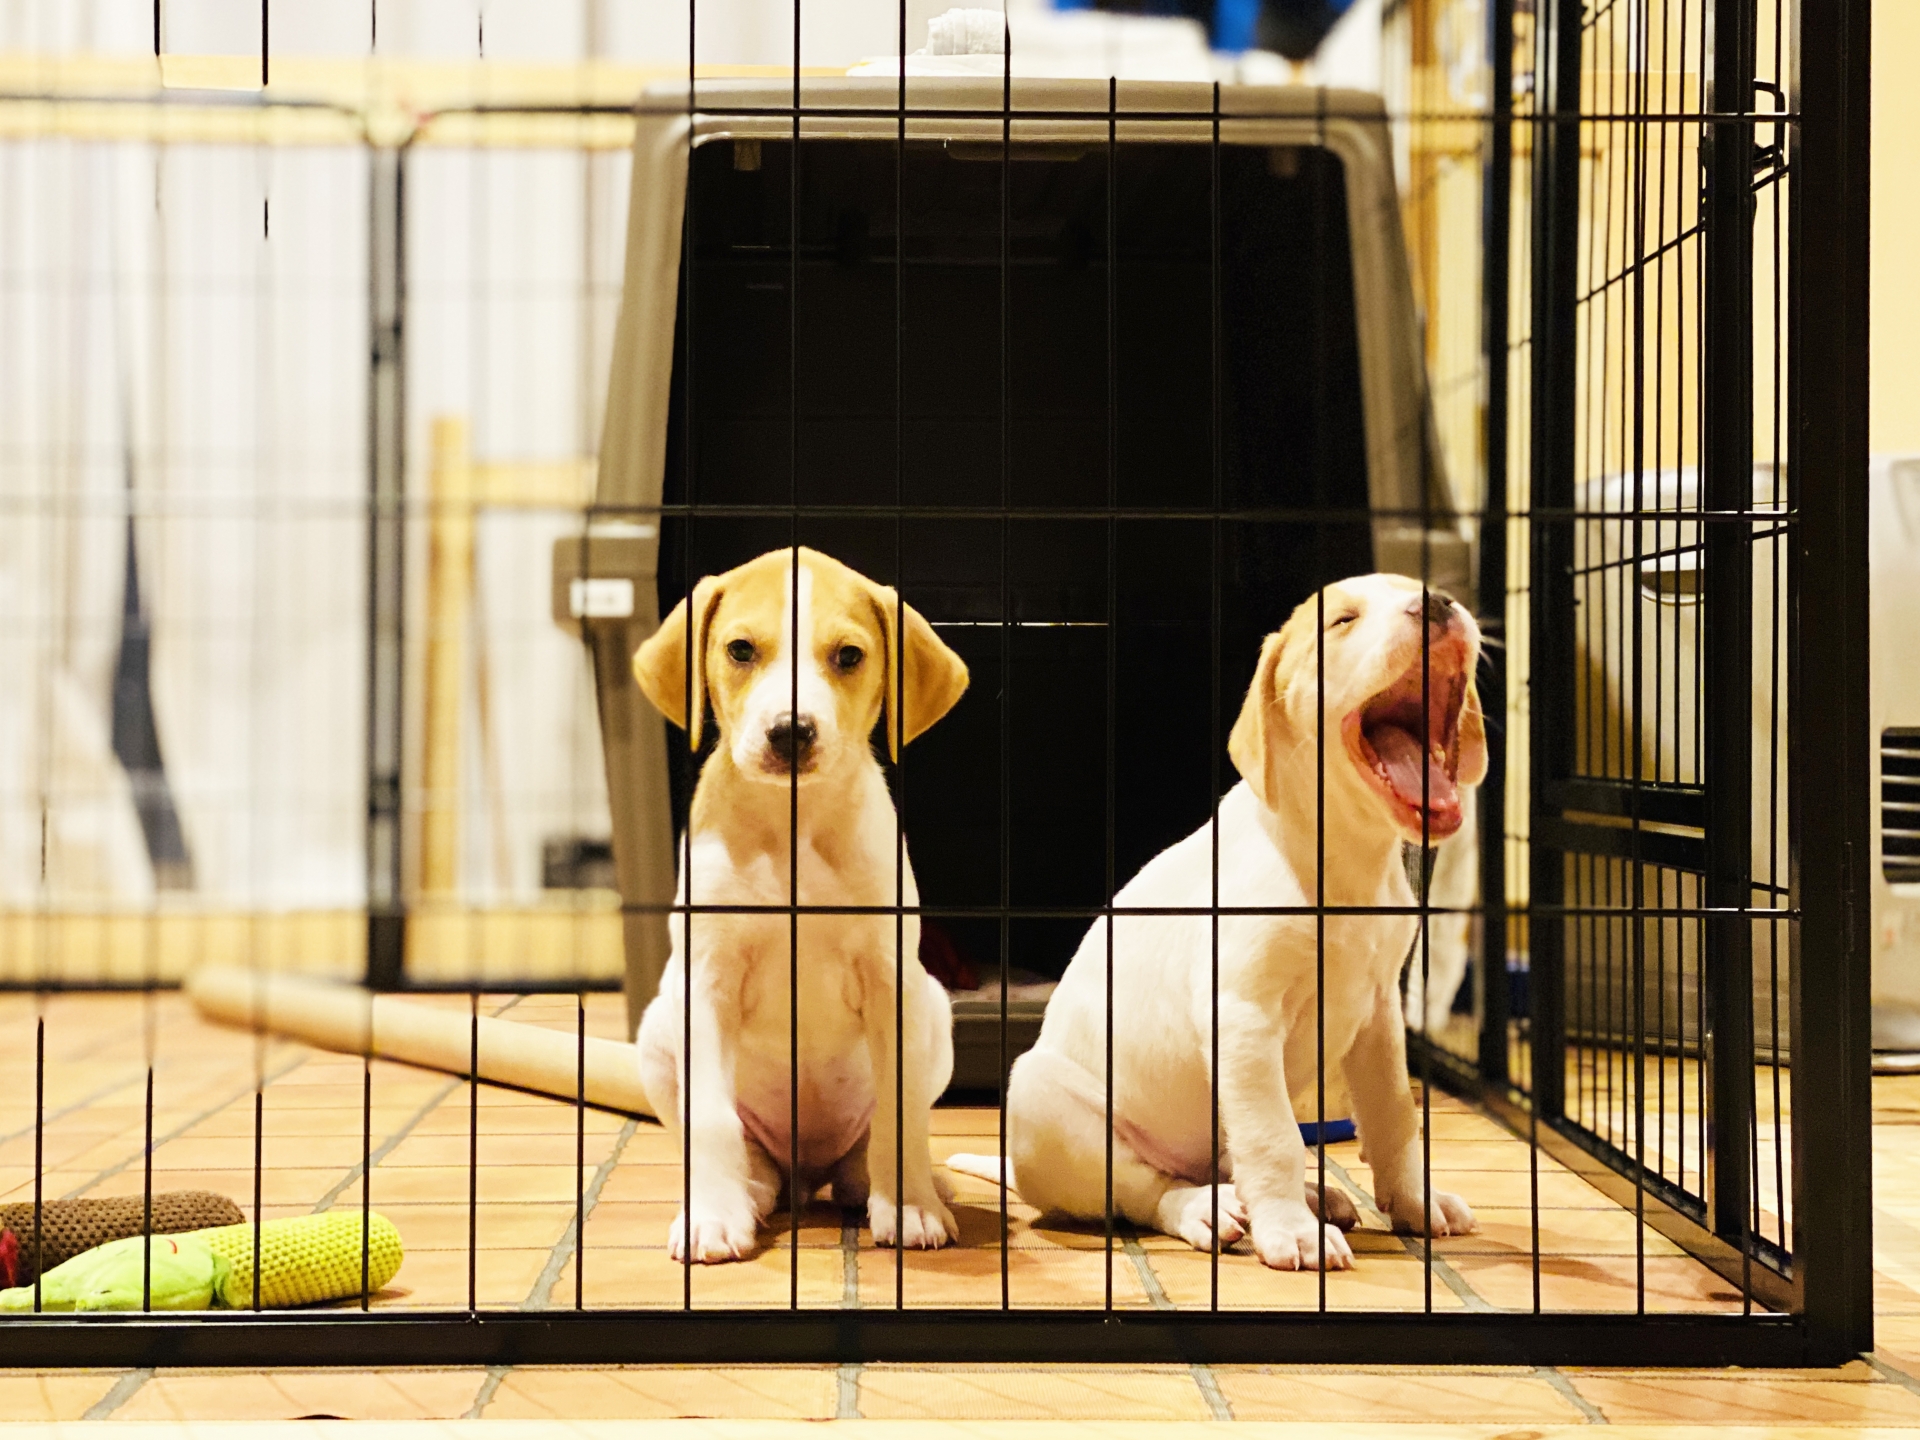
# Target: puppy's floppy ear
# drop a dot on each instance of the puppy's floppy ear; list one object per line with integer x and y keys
{"x": 1473, "y": 738}
{"x": 1263, "y": 730}
{"x": 934, "y": 677}
{"x": 661, "y": 666}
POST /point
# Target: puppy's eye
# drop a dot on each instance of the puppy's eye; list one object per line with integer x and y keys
{"x": 1346, "y": 619}
{"x": 848, "y": 657}
{"x": 740, "y": 651}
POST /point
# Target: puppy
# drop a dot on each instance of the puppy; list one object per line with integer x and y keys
{"x": 1394, "y": 771}
{"x": 727, "y": 984}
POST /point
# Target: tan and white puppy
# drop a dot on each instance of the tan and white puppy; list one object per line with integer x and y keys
{"x": 807, "y": 748}
{"x": 1353, "y": 665}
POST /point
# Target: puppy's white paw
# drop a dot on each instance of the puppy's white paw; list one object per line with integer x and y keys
{"x": 720, "y": 1232}
{"x": 1188, "y": 1211}
{"x": 1447, "y": 1213}
{"x": 926, "y": 1226}
{"x": 1291, "y": 1237}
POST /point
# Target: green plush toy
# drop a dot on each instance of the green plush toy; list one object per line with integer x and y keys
{"x": 304, "y": 1260}
{"x": 186, "y": 1275}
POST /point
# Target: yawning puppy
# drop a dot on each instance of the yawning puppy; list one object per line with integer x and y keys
{"x": 1402, "y": 734}
{"x": 859, "y": 650}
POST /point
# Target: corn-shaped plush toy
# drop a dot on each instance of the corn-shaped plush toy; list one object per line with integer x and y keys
{"x": 304, "y": 1260}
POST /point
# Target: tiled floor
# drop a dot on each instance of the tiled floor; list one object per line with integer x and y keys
{"x": 423, "y": 1132}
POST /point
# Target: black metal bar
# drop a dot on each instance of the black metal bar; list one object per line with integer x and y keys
{"x": 1827, "y": 471}
{"x": 473, "y": 1150}
{"x": 1555, "y": 244}
{"x": 1622, "y": 842}
{"x": 386, "y": 568}
{"x": 506, "y": 985}
{"x": 1094, "y": 912}
{"x": 146, "y": 1195}
{"x": 580, "y": 1154}
{"x": 920, "y": 1336}
{"x": 1198, "y": 119}
{"x": 39, "y": 1154}
{"x": 1496, "y": 229}
{"x": 1423, "y": 932}
{"x": 1775, "y": 631}
{"x": 696, "y": 722}
{"x": 897, "y": 674}
{"x": 260, "y": 1131}
{"x": 366, "y": 1179}
{"x": 1113, "y": 628}
{"x": 1214, "y": 737}
{"x": 259, "y": 1170}
{"x": 1684, "y": 806}
{"x": 1320, "y": 578}
{"x": 1726, "y": 462}
{"x": 795, "y": 1200}
{"x": 1634, "y": 987}
{"x": 1006, "y": 642}
{"x": 1271, "y": 514}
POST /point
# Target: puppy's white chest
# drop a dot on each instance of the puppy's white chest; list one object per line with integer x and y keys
{"x": 795, "y": 1014}
{"x": 763, "y": 942}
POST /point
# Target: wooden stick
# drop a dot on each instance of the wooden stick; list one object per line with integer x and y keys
{"x": 449, "y": 607}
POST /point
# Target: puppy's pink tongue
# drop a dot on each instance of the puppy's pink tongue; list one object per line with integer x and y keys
{"x": 1406, "y": 762}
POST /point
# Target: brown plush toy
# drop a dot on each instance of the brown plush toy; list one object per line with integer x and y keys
{"x": 71, "y": 1227}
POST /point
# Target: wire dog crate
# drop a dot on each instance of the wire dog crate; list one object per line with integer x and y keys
{"x": 1105, "y": 376}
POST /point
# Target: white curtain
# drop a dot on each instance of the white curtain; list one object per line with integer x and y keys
{"x": 166, "y": 358}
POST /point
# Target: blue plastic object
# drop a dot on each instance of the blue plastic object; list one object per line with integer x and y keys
{"x": 1334, "y": 1132}
{"x": 1234, "y": 25}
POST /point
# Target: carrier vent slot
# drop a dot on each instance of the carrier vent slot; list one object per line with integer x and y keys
{"x": 1900, "y": 804}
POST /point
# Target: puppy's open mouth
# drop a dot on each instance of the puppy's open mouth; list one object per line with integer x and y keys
{"x": 1410, "y": 751}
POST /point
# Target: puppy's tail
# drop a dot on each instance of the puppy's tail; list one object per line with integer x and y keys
{"x": 990, "y": 1168}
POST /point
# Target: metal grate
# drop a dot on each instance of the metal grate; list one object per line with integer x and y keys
{"x": 1900, "y": 804}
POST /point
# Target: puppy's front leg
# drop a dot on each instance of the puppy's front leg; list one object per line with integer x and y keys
{"x": 1376, "y": 1070}
{"x": 730, "y": 1192}
{"x": 923, "y": 1222}
{"x": 1269, "y": 1158}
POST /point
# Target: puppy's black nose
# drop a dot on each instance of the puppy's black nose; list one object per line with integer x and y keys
{"x": 791, "y": 736}
{"x": 1438, "y": 606}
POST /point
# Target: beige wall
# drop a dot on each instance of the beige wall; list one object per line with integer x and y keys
{"x": 1896, "y": 227}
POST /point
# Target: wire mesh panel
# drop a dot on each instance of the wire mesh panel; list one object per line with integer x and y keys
{"x": 1659, "y": 815}
{"x": 1051, "y": 716}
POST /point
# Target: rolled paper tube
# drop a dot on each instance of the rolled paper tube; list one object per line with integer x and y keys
{"x": 353, "y": 1021}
